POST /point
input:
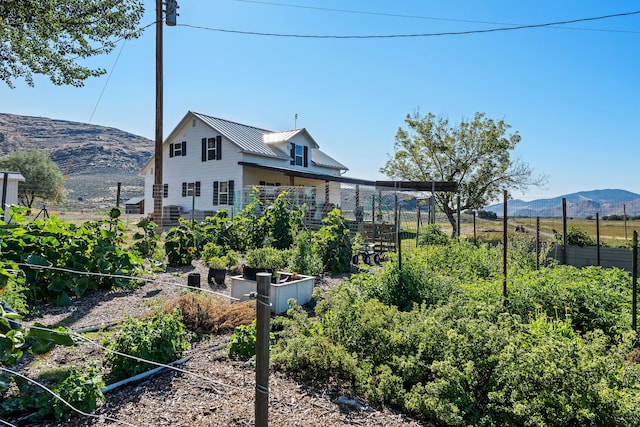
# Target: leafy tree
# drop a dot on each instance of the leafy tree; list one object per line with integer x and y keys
{"x": 42, "y": 175}
{"x": 50, "y": 37}
{"x": 475, "y": 154}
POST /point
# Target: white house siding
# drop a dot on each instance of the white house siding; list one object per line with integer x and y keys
{"x": 191, "y": 168}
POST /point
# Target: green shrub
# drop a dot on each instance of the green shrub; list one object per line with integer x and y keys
{"x": 333, "y": 243}
{"x": 242, "y": 342}
{"x": 160, "y": 338}
{"x": 267, "y": 257}
{"x": 303, "y": 259}
{"x": 80, "y": 387}
{"x": 577, "y": 237}
{"x": 181, "y": 245}
{"x": 432, "y": 234}
{"x": 406, "y": 287}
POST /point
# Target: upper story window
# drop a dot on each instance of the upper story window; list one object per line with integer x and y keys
{"x": 212, "y": 148}
{"x": 178, "y": 149}
{"x": 299, "y": 155}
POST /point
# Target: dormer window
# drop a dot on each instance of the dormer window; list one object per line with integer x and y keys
{"x": 299, "y": 155}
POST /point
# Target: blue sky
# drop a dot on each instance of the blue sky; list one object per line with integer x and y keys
{"x": 572, "y": 91}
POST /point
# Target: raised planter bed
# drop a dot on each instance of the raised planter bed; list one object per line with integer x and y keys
{"x": 300, "y": 289}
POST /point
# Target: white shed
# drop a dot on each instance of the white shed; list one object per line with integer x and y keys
{"x": 9, "y": 187}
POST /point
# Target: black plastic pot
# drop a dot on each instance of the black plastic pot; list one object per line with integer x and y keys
{"x": 216, "y": 275}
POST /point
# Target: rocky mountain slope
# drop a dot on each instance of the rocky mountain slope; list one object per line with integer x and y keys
{"x": 99, "y": 157}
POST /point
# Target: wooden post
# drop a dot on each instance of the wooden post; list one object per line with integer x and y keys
{"x": 263, "y": 316}
{"x": 598, "y": 238}
{"x": 634, "y": 282}
{"x": 118, "y": 195}
{"x": 504, "y": 251}
{"x": 458, "y": 215}
{"x": 157, "y": 180}
{"x": 537, "y": 243}
{"x": 564, "y": 230}
{"x": 418, "y": 224}
{"x": 624, "y": 216}
{"x": 5, "y": 182}
{"x": 475, "y": 236}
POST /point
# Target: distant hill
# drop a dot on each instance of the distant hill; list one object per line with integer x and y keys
{"x": 100, "y": 156}
{"x": 580, "y": 204}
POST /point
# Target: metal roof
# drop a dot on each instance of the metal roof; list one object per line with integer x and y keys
{"x": 321, "y": 159}
{"x": 248, "y": 138}
{"x": 12, "y": 176}
{"x": 259, "y": 141}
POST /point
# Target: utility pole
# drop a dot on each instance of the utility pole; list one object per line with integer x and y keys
{"x": 157, "y": 170}
{"x": 171, "y": 14}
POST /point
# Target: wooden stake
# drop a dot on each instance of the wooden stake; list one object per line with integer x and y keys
{"x": 263, "y": 317}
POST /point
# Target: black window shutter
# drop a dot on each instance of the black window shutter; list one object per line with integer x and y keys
{"x": 293, "y": 154}
{"x": 218, "y": 147}
{"x": 204, "y": 149}
{"x": 184, "y": 189}
{"x": 306, "y": 156}
{"x": 231, "y": 192}
{"x": 165, "y": 190}
{"x": 170, "y": 150}
{"x": 197, "y": 189}
{"x": 184, "y": 148}
{"x": 215, "y": 193}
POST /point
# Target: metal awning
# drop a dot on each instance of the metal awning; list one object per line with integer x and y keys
{"x": 310, "y": 175}
{"x": 435, "y": 186}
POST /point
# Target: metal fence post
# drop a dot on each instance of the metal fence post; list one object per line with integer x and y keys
{"x": 634, "y": 282}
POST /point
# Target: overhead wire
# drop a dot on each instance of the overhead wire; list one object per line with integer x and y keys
{"x": 390, "y": 36}
{"x": 397, "y": 15}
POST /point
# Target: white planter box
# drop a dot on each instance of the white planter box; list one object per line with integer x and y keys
{"x": 301, "y": 290}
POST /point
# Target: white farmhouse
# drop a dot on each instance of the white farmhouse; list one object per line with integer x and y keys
{"x": 208, "y": 161}
{"x": 9, "y": 188}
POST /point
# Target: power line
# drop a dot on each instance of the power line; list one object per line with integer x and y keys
{"x": 396, "y": 15}
{"x": 389, "y": 36}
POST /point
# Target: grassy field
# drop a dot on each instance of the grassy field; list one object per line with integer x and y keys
{"x": 612, "y": 233}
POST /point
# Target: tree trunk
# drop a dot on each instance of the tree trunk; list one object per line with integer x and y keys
{"x": 451, "y": 216}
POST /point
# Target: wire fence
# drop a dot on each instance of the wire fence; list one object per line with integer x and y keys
{"x": 220, "y": 387}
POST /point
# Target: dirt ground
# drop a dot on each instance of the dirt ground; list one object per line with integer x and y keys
{"x": 214, "y": 390}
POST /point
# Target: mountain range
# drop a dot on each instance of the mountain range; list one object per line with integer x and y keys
{"x": 580, "y": 204}
{"x": 97, "y": 157}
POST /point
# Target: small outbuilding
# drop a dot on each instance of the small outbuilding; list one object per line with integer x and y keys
{"x": 9, "y": 185}
{"x": 134, "y": 206}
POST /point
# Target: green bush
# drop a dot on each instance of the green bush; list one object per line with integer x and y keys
{"x": 159, "y": 338}
{"x": 454, "y": 355}
{"x": 242, "y": 342}
{"x": 95, "y": 246}
{"x": 576, "y": 237}
{"x": 267, "y": 257}
{"x": 80, "y": 387}
{"x": 432, "y": 234}
{"x": 333, "y": 243}
{"x": 303, "y": 259}
{"x": 181, "y": 244}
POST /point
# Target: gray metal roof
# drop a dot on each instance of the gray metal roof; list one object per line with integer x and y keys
{"x": 248, "y": 138}
{"x": 259, "y": 141}
{"x": 322, "y": 159}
